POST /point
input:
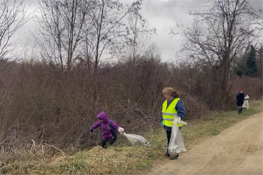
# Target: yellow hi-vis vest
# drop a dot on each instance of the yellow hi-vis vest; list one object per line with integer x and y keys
{"x": 169, "y": 113}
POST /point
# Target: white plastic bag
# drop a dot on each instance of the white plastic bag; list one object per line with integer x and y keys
{"x": 176, "y": 144}
{"x": 133, "y": 138}
{"x": 245, "y": 103}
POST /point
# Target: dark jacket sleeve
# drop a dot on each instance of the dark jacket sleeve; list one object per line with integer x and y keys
{"x": 180, "y": 109}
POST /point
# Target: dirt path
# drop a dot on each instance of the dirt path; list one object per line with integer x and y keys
{"x": 238, "y": 150}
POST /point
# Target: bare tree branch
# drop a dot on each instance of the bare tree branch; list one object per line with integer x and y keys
{"x": 12, "y": 17}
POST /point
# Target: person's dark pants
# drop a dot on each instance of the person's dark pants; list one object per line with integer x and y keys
{"x": 110, "y": 141}
{"x": 239, "y": 109}
{"x": 168, "y": 134}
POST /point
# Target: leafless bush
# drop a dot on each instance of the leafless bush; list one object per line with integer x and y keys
{"x": 196, "y": 81}
{"x": 250, "y": 86}
{"x": 57, "y": 108}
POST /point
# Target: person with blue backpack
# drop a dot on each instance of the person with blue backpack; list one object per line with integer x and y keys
{"x": 108, "y": 128}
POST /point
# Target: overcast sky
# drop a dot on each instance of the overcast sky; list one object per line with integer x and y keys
{"x": 161, "y": 15}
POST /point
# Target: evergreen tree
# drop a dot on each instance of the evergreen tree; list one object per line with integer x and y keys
{"x": 242, "y": 63}
{"x": 260, "y": 61}
{"x": 251, "y": 69}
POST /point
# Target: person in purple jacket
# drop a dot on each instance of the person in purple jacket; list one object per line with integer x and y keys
{"x": 108, "y": 128}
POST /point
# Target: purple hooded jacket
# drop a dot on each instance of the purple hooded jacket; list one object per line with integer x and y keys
{"x": 105, "y": 125}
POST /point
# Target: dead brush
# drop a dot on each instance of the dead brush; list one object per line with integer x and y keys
{"x": 23, "y": 161}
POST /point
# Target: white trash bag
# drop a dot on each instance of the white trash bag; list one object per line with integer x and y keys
{"x": 133, "y": 138}
{"x": 245, "y": 103}
{"x": 176, "y": 144}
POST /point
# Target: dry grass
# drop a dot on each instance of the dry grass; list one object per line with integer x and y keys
{"x": 124, "y": 159}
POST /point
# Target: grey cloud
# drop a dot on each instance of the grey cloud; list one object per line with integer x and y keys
{"x": 256, "y": 3}
{"x": 163, "y": 15}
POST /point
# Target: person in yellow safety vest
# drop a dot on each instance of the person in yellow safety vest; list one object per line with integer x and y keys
{"x": 172, "y": 107}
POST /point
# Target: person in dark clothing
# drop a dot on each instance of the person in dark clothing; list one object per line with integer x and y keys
{"x": 240, "y": 100}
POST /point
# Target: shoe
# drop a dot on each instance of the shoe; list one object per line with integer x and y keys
{"x": 167, "y": 154}
{"x": 173, "y": 157}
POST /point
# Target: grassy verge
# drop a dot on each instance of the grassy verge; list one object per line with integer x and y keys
{"x": 125, "y": 159}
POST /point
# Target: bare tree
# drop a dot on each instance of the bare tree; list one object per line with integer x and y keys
{"x": 12, "y": 17}
{"x": 136, "y": 40}
{"x": 138, "y": 32}
{"x": 104, "y": 35}
{"x": 61, "y": 30}
{"x": 81, "y": 30}
{"x": 219, "y": 35}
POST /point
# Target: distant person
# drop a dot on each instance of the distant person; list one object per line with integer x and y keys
{"x": 108, "y": 128}
{"x": 172, "y": 107}
{"x": 240, "y": 100}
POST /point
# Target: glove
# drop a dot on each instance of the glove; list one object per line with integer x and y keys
{"x": 179, "y": 118}
{"x": 91, "y": 129}
{"x": 179, "y": 121}
{"x": 121, "y": 130}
